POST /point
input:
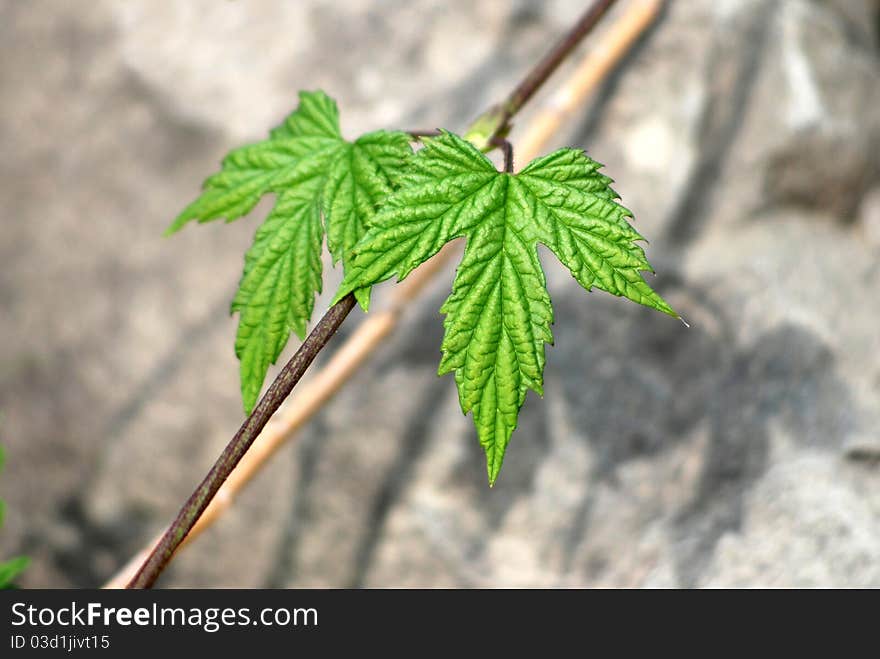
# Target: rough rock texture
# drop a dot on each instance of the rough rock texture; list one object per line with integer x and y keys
{"x": 744, "y": 451}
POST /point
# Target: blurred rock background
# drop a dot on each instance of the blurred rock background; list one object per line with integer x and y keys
{"x": 745, "y": 451}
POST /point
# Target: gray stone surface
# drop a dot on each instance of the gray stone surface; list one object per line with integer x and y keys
{"x": 744, "y": 451}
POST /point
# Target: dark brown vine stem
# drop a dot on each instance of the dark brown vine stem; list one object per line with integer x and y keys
{"x": 290, "y": 375}
{"x": 548, "y": 64}
{"x": 238, "y": 446}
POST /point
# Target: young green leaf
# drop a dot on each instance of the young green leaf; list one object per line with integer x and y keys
{"x": 10, "y": 569}
{"x": 499, "y": 315}
{"x": 321, "y": 183}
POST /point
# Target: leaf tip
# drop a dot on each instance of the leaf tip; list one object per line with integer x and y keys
{"x": 493, "y": 465}
{"x": 299, "y": 329}
{"x": 362, "y": 295}
{"x": 175, "y": 226}
{"x": 250, "y": 392}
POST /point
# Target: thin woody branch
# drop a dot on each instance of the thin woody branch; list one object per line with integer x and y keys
{"x": 276, "y": 394}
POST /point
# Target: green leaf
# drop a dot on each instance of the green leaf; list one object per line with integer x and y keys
{"x": 499, "y": 314}
{"x": 322, "y": 184}
{"x": 10, "y": 569}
